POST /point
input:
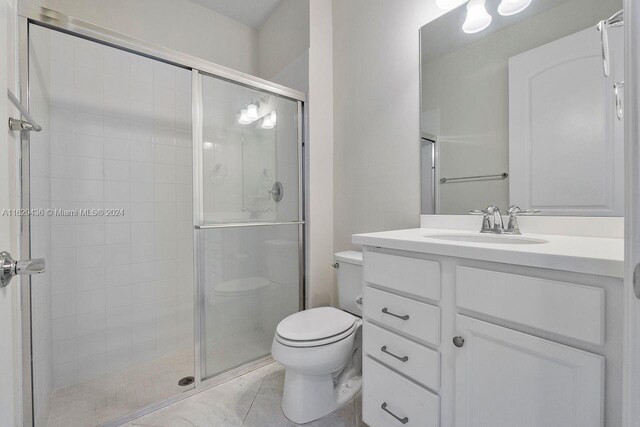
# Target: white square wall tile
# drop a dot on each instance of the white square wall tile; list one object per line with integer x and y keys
{"x": 117, "y": 233}
{"x": 64, "y": 351}
{"x": 91, "y": 302}
{"x": 62, "y": 190}
{"x": 119, "y": 338}
{"x": 164, "y": 154}
{"x": 91, "y": 257}
{"x": 118, "y": 296}
{"x": 88, "y": 124}
{"x": 88, "y": 190}
{"x": 141, "y": 68}
{"x": 117, "y": 191}
{"x": 117, "y": 148}
{"x": 89, "y": 168}
{"x": 62, "y": 166}
{"x": 89, "y": 235}
{"x": 90, "y": 279}
{"x": 89, "y": 146}
{"x": 119, "y": 255}
{"x": 117, "y": 170}
{"x": 90, "y": 345}
{"x": 63, "y": 328}
{"x": 63, "y": 305}
{"x": 63, "y": 236}
{"x": 141, "y": 152}
{"x": 119, "y": 317}
{"x": 90, "y": 323}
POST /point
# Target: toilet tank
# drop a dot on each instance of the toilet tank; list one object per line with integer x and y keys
{"x": 349, "y": 279}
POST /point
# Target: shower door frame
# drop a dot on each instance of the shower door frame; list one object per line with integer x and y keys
{"x": 33, "y": 15}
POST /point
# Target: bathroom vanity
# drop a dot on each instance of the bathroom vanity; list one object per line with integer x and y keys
{"x": 468, "y": 331}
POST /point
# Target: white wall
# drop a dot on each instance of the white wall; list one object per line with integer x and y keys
{"x": 376, "y": 110}
{"x": 320, "y": 151}
{"x": 177, "y": 24}
{"x": 283, "y": 37}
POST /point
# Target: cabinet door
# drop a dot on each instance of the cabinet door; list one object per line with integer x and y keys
{"x": 506, "y": 378}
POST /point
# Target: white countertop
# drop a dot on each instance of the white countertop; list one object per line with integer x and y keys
{"x": 590, "y": 255}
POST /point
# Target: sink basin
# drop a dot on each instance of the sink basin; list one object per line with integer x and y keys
{"x": 499, "y": 239}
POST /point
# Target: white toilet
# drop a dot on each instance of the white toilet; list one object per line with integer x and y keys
{"x": 320, "y": 349}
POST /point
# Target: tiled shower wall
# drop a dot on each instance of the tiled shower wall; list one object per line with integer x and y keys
{"x": 122, "y": 286}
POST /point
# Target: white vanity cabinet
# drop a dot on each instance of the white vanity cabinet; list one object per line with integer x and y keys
{"x": 456, "y": 342}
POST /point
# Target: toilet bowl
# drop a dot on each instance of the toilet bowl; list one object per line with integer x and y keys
{"x": 320, "y": 349}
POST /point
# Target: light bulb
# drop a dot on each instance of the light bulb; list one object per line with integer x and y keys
{"x": 448, "y": 4}
{"x": 511, "y": 7}
{"x": 244, "y": 118}
{"x": 274, "y": 117}
{"x": 267, "y": 123}
{"x": 207, "y": 145}
{"x": 252, "y": 112}
{"x": 477, "y": 17}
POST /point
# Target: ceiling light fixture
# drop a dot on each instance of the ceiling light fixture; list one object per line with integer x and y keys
{"x": 252, "y": 112}
{"x": 511, "y": 7}
{"x": 477, "y": 17}
{"x": 268, "y": 121}
{"x": 244, "y": 118}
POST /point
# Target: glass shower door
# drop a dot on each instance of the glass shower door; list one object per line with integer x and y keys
{"x": 250, "y": 221}
{"x": 112, "y": 329}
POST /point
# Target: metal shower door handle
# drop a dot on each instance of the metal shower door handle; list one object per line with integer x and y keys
{"x": 10, "y": 267}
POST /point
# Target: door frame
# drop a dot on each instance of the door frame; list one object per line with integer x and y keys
{"x": 34, "y": 15}
{"x": 631, "y": 356}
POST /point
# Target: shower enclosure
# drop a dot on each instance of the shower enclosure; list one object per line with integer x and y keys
{"x": 166, "y": 198}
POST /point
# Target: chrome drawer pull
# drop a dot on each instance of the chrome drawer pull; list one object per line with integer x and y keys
{"x": 402, "y": 359}
{"x": 385, "y": 311}
{"x": 402, "y": 420}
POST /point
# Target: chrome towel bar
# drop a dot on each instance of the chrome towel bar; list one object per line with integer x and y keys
{"x": 22, "y": 125}
{"x": 503, "y": 175}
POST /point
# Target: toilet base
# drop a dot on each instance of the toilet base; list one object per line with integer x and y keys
{"x": 307, "y": 398}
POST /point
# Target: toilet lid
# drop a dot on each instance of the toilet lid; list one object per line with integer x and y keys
{"x": 315, "y": 324}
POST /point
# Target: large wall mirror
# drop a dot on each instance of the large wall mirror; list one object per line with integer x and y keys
{"x": 527, "y": 111}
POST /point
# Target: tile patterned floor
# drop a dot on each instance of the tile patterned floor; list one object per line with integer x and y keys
{"x": 252, "y": 400}
{"x": 106, "y": 398}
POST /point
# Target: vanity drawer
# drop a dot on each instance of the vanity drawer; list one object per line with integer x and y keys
{"x": 544, "y": 304}
{"x": 418, "y": 362}
{"x": 414, "y": 318}
{"x": 399, "y": 396}
{"x": 414, "y": 276}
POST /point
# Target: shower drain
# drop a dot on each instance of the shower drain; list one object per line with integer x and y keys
{"x": 186, "y": 381}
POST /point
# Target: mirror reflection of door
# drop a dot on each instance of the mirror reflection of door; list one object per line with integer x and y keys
{"x": 522, "y": 111}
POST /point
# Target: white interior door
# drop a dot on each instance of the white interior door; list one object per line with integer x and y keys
{"x": 566, "y": 146}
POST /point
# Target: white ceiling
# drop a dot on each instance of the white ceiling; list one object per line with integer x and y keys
{"x": 250, "y": 12}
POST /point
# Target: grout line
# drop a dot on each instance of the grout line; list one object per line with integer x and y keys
{"x": 257, "y": 392}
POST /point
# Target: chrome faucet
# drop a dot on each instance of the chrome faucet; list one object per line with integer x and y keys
{"x": 497, "y": 225}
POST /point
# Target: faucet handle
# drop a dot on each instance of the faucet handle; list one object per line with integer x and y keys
{"x": 516, "y": 210}
{"x": 486, "y": 222}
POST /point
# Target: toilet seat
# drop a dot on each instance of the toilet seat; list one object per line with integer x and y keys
{"x": 316, "y": 343}
{"x": 315, "y": 327}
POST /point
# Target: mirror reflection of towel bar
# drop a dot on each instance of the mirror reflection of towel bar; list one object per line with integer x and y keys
{"x": 503, "y": 175}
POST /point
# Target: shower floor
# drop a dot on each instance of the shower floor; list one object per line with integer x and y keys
{"x": 103, "y": 399}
